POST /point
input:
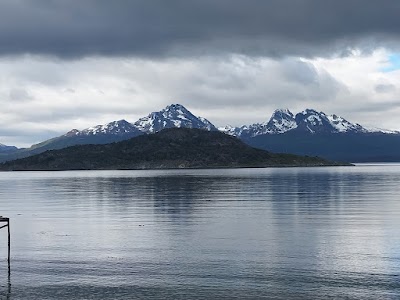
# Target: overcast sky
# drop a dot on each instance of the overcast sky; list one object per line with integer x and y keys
{"x": 74, "y": 64}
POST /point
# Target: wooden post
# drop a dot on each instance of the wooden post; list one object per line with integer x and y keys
{"x": 9, "y": 247}
{"x": 7, "y": 221}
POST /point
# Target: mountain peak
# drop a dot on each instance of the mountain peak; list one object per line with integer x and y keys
{"x": 174, "y": 115}
{"x": 310, "y": 111}
{"x": 72, "y": 132}
{"x": 175, "y": 106}
{"x": 281, "y": 121}
{"x": 311, "y": 121}
{"x": 318, "y": 122}
{"x": 282, "y": 111}
{"x": 119, "y": 127}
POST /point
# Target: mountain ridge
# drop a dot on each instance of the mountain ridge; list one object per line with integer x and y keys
{"x": 306, "y": 121}
{"x": 174, "y": 115}
{"x": 278, "y": 133}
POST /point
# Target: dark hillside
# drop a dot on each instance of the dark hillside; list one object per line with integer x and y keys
{"x": 170, "y": 148}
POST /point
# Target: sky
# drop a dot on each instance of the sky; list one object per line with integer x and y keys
{"x": 75, "y": 64}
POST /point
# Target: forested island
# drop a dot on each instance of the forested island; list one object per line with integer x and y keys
{"x": 168, "y": 149}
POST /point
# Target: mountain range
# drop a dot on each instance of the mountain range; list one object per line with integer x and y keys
{"x": 308, "y": 121}
{"x": 306, "y": 133}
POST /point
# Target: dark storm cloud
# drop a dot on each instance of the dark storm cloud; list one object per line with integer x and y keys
{"x": 157, "y": 28}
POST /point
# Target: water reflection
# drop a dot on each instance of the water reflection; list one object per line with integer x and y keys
{"x": 5, "y": 290}
{"x": 205, "y": 234}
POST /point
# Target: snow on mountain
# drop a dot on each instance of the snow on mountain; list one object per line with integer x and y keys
{"x": 174, "y": 115}
{"x": 120, "y": 127}
{"x": 235, "y": 131}
{"x": 309, "y": 121}
{"x": 244, "y": 131}
{"x": 342, "y": 125}
{"x": 117, "y": 128}
{"x": 207, "y": 124}
{"x": 380, "y": 130}
{"x": 318, "y": 122}
{"x": 281, "y": 121}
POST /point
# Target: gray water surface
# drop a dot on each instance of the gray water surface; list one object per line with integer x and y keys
{"x": 293, "y": 233}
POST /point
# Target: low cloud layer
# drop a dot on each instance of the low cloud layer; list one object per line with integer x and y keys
{"x": 181, "y": 28}
{"x": 45, "y": 98}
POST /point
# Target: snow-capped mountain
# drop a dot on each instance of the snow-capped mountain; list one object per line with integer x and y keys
{"x": 120, "y": 127}
{"x": 282, "y": 120}
{"x": 315, "y": 133}
{"x": 174, "y": 115}
{"x": 342, "y": 125}
{"x": 381, "y": 130}
{"x": 309, "y": 133}
{"x": 312, "y": 121}
{"x": 307, "y": 121}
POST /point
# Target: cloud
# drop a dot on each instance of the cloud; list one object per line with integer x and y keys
{"x": 234, "y": 90}
{"x": 19, "y": 94}
{"x": 385, "y": 88}
{"x": 300, "y": 71}
{"x": 183, "y": 28}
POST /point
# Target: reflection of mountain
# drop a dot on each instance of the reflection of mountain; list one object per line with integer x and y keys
{"x": 311, "y": 190}
{"x": 174, "y": 197}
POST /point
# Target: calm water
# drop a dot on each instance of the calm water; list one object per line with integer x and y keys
{"x": 295, "y": 233}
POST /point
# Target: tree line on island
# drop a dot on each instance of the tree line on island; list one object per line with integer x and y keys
{"x": 167, "y": 149}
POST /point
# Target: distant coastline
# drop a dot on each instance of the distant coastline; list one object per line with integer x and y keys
{"x": 176, "y": 148}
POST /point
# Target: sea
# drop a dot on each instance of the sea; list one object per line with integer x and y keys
{"x": 269, "y": 233}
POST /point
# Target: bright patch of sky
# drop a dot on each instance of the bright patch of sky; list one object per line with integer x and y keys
{"x": 393, "y": 63}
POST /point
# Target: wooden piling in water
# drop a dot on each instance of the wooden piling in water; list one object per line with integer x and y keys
{"x": 7, "y": 221}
